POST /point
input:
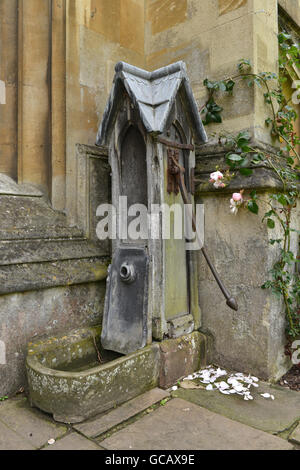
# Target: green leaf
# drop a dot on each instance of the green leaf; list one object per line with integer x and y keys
{"x": 282, "y": 199}
{"x": 253, "y": 207}
{"x": 269, "y": 213}
{"x": 234, "y": 157}
{"x": 230, "y": 85}
{"x": 245, "y": 171}
{"x": 244, "y": 135}
{"x": 283, "y": 37}
{"x": 222, "y": 86}
{"x": 208, "y": 83}
{"x": 217, "y": 117}
{"x": 164, "y": 401}
{"x": 245, "y": 148}
{"x": 271, "y": 223}
{"x": 276, "y": 240}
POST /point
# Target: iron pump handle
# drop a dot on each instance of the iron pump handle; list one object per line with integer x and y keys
{"x": 230, "y": 300}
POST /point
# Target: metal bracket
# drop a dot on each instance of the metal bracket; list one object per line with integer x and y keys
{"x": 175, "y": 145}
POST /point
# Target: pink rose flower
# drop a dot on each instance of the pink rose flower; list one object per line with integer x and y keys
{"x": 235, "y": 202}
{"x": 216, "y": 178}
{"x": 237, "y": 197}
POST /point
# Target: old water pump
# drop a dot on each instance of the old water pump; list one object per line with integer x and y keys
{"x": 151, "y": 125}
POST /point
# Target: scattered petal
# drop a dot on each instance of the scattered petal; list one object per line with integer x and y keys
{"x": 265, "y": 395}
{"x": 238, "y": 388}
{"x": 224, "y": 385}
{"x": 51, "y": 442}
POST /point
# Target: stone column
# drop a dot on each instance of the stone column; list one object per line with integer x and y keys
{"x": 34, "y": 92}
{"x": 58, "y": 104}
{"x": 8, "y": 92}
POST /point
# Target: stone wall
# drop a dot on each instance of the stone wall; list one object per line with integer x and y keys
{"x": 52, "y": 275}
{"x": 68, "y": 59}
{"x": 211, "y": 36}
{"x": 46, "y": 312}
{"x": 253, "y": 338}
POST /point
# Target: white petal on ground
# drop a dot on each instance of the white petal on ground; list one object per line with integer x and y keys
{"x": 265, "y": 395}
{"x": 224, "y": 385}
{"x": 235, "y": 383}
{"x": 51, "y": 442}
{"x": 238, "y": 388}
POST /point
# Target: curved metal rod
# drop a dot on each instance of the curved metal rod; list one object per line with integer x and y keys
{"x": 230, "y": 300}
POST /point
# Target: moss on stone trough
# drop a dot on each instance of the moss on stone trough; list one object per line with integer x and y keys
{"x": 66, "y": 379}
{"x": 74, "y": 396}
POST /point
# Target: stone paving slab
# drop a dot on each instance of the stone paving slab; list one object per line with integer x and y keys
{"x": 265, "y": 414}
{"x": 104, "y": 422}
{"x": 295, "y": 436}
{"x": 31, "y": 425}
{"x": 10, "y": 440}
{"x": 73, "y": 441}
{"x": 180, "y": 425}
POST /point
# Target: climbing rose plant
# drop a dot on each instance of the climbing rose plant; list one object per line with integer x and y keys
{"x": 243, "y": 156}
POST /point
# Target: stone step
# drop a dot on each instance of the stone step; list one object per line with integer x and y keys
{"x": 103, "y": 423}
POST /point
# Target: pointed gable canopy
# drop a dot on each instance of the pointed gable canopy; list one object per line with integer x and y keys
{"x": 153, "y": 93}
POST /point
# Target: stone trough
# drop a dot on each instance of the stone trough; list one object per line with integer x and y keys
{"x": 66, "y": 379}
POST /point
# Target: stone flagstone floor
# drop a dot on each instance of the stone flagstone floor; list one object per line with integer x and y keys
{"x": 160, "y": 420}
